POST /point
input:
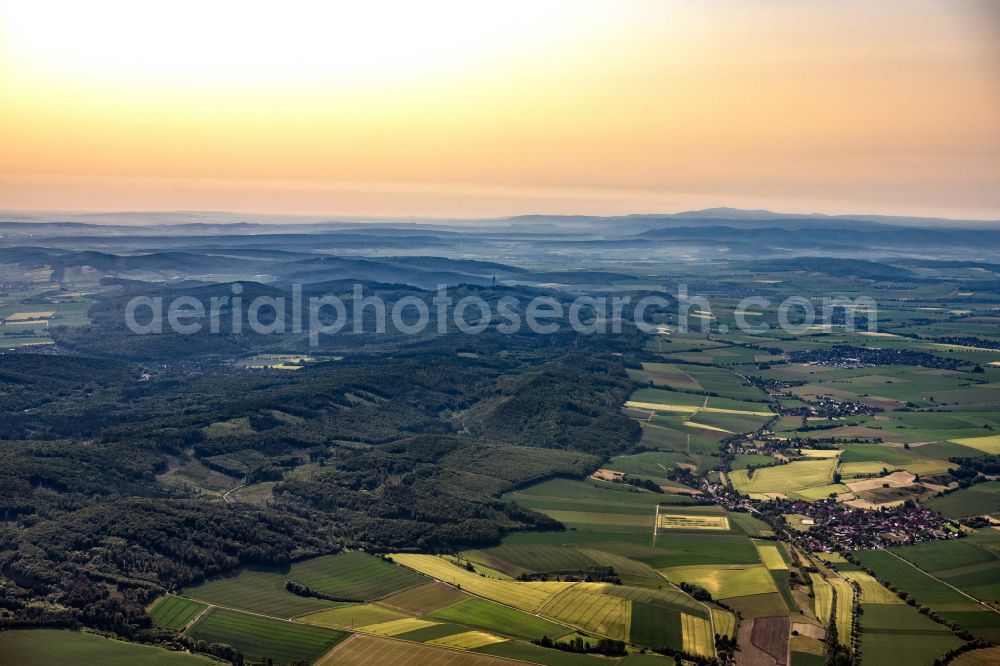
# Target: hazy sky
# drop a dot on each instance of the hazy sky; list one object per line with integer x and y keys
{"x": 474, "y": 108}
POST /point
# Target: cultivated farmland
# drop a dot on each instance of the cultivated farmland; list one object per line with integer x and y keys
{"x": 586, "y": 607}
{"x": 352, "y": 616}
{"x": 256, "y": 590}
{"x": 425, "y": 598}
{"x": 725, "y": 581}
{"x": 897, "y": 633}
{"x": 697, "y": 635}
{"x": 500, "y": 619}
{"x": 353, "y": 575}
{"x": 788, "y": 479}
{"x": 262, "y": 638}
{"x": 175, "y": 612}
{"x": 526, "y": 596}
{"x": 468, "y": 640}
{"x": 359, "y": 650}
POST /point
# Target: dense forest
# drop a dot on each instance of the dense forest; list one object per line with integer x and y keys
{"x": 404, "y": 446}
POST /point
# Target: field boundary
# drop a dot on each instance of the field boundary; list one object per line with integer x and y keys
{"x": 943, "y": 582}
{"x": 349, "y": 633}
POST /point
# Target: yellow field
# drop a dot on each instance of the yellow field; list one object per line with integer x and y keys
{"x": 770, "y": 555}
{"x": 872, "y": 592}
{"x": 394, "y": 627}
{"x": 30, "y": 316}
{"x": 824, "y": 598}
{"x": 697, "y": 635}
{"x": 821, "y": 453}
{"x": 689, "y": 409}
{"x": 797, "y": 475}
{"x": 989, "y": 444}
{"x": 676, "y": 521}
{"x": 586, "y": 607}
{"x": 469, "y": 640}
{"x": 725, "y": 580}
{"x": 725, "y": 622}
{"x": 692, "y": 424}
{"x": 524, "y": 596}
{"x": 836, "y": 558}
{"x": 354, "y": 615}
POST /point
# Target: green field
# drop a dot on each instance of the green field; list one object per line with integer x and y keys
{"x": 976, "y": 500}
{"x": 353, "y": 575}
{"x": 174, "y": 612}
{"x": 499, "y": 619}
{"x": 258, "y": 591}
{"x": 55, "y": 647}
{"x": 262, "y": 638}
{"x": 898, "y": 633}
{"x": 350, "y": 575}
{"x": 656, "y": 625}
{"x": 904, "y": 576}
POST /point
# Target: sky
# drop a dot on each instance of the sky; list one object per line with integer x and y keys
{"x": 481, "y": 109}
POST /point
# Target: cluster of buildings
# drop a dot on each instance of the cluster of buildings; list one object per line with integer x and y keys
{"x": 836, "y": 527}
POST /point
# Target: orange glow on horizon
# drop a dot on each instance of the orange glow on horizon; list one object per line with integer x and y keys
{"x": 454, "y": 108}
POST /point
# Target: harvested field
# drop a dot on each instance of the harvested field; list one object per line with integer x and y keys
{"x": 810, "y": 630}
{"x": 770, "y": 635}
{"x": 360, "y": 650}
{"x": 394, "y": 627}
{"x": 469, "y": 640}
{"x": 895, "y": 480}
{"x": 750, "y": 652}
{"x": 985, "y": 657}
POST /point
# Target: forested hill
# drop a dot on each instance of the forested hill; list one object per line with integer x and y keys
{"x": 112, "y": 472}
